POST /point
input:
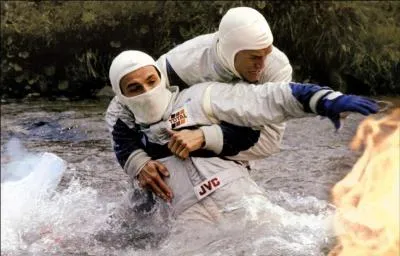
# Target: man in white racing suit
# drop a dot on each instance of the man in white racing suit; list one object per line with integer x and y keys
{"x": 205, "y": 186}
{"x": 241, "y": 49}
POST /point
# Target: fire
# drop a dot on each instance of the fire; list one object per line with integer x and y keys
{"x": 367, "y": 199}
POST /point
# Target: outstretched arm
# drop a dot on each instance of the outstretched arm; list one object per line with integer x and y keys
{"x": 244, "y": 111}
{"x": 257, "y": 105}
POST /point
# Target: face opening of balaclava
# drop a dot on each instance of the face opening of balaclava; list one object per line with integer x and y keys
{"x": 150, "y": 106}
{"x": 241, "y": 28}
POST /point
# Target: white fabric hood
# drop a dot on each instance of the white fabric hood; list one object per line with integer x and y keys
{"x": 150, "y": 106}
{"x": 241, "y": 28}
{"x": 126, "y": 62}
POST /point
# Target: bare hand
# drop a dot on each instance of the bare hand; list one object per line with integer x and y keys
{"x": 185, "y": 141}
{"x": 150, "y": 177}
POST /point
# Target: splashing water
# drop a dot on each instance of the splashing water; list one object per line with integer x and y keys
{"x": 34, "y": 217}
{"x": 38, "y": 219}
{"x": 269, "y": 229}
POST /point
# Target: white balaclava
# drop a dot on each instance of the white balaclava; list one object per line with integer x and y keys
{"x": 150, "y": 106}
{"x": 241, "y": 28}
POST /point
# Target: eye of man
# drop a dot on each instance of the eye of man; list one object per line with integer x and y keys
{"x": 134, "y": 87}
{"x": 255, "y": 57}
{"x": 151, "y": 80}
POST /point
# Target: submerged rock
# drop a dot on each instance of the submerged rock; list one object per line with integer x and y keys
{"x": 47, "y": 129}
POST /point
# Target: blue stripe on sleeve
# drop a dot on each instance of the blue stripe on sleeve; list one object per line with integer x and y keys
{"x": 304, "y": 92}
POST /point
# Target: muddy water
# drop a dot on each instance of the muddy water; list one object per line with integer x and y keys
{"x": 84, "y": 217}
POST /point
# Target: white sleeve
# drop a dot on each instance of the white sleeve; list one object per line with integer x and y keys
{"x": 213, "y": 138}
{"x": 251, "y": 105}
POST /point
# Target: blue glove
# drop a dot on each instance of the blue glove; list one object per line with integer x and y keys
{"x": 332, "y": 108}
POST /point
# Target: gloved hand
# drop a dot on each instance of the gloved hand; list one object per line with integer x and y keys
{"x": 332, "y": 108}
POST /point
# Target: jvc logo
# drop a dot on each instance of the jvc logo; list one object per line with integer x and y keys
{"x": 209, "y": 186}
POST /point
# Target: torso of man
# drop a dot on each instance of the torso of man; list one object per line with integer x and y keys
{"x": 220, "y": 181}
{"x": 196, "y": 61}
{"x": 197, "y": 178}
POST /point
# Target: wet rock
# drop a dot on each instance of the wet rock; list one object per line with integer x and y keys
{"x": 47, "y": 129}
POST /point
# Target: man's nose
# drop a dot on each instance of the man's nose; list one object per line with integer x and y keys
{"x": 147, "y": 87}
{"x": 259, "y": 64}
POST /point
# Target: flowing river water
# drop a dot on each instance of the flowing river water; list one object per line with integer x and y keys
{"x": 90, "y": 212}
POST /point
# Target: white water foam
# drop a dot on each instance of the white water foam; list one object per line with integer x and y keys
{"x": 269, "y": 230}
{"x": 36, "y": 219}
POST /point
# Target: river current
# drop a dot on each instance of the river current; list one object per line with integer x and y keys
{"x": 89, "y": 212}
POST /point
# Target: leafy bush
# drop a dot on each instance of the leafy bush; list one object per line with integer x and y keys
{"x": 55, "y": 48}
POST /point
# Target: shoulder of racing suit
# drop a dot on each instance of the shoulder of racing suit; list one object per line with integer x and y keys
{"x": 193, "y": 62}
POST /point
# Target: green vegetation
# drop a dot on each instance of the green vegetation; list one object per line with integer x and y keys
{"x": 54, "y": 48}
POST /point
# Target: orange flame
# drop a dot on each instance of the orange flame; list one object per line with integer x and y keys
{"x": 367, "y": 199}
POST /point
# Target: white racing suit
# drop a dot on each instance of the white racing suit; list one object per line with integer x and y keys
{"x": 202, "y": 186}
{"x": 193, "y": 62}
{"x": 196, "y": 61}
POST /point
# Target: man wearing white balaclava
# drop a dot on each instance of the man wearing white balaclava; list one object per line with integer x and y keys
{"x": 147, "y": 108}
{"x": 209, "y": 189}
{"x": 240, "y": 29}
{"x": 211, "y": 57}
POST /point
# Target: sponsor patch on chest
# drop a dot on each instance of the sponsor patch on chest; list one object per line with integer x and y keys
{"x": 179, "y": 118}
{"x": 208, "y": 186}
